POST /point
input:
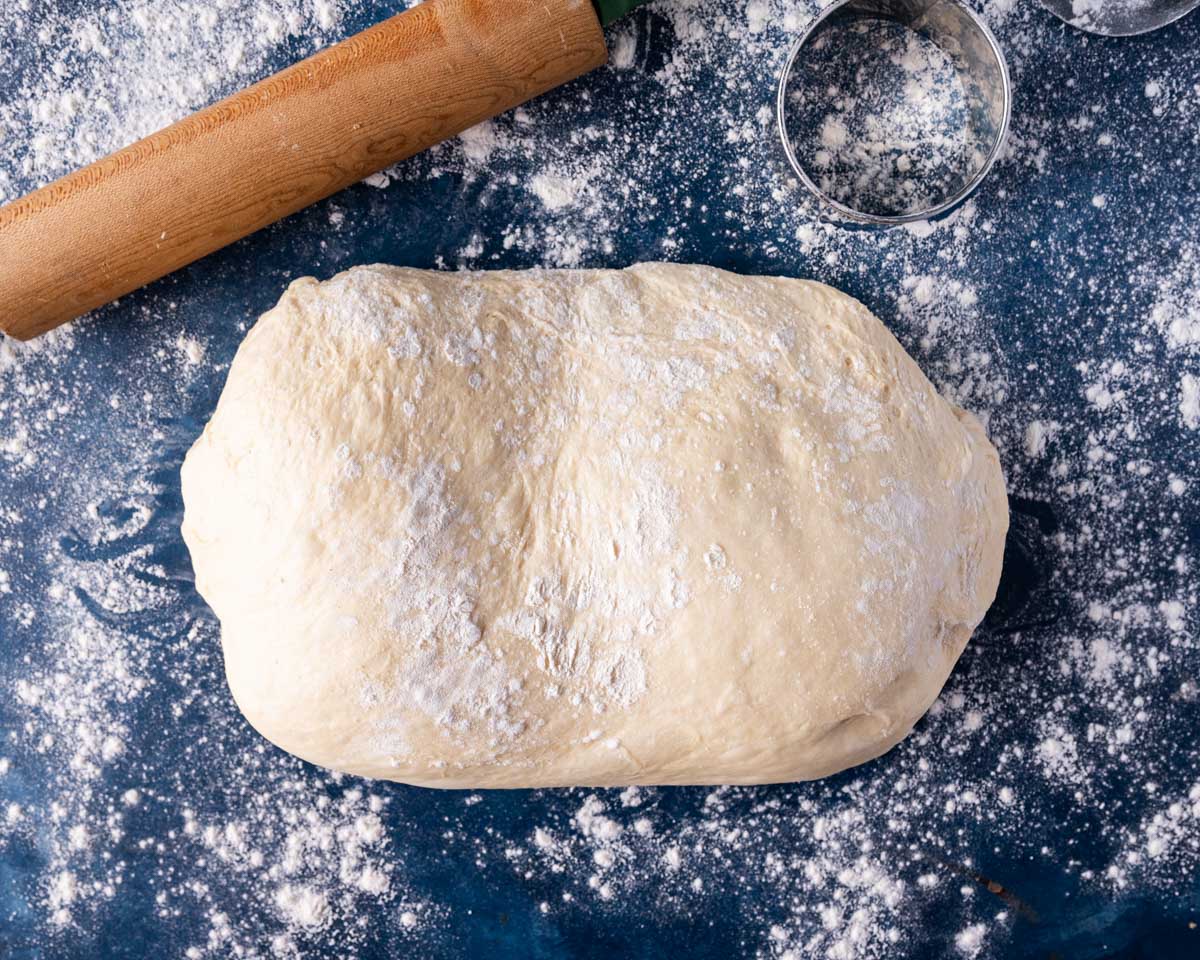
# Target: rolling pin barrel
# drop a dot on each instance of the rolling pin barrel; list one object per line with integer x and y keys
{"x": 285, "y": 143}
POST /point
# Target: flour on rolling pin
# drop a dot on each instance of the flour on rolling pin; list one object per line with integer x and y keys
{"x": 290, "y": 140}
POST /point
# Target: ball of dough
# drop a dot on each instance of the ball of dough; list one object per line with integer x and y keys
{"x": 661, "y": 525}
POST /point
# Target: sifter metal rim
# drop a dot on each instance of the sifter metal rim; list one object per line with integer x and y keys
{"x": 848, "y": 215}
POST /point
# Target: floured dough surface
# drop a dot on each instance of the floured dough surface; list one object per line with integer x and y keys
{"x": 659, "y": 525}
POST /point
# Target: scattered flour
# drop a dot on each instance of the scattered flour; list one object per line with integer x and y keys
{"x": 127, "y": 771}
{"x": 1189, "y": 400}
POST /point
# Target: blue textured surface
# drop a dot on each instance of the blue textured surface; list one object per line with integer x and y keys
{"x": 1060, "y": 281}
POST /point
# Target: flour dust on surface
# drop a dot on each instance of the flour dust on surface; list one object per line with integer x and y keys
{"x": 1060, "y": 305}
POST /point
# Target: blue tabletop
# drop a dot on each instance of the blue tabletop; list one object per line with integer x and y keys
{"x": 1049, "y": 804}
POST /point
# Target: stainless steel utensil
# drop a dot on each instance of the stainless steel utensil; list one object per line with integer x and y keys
{"x": 1119, "y": 18}
{"x": 981, "y": 84}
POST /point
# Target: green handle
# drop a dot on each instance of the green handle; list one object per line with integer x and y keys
{"x": 610, "y": 10}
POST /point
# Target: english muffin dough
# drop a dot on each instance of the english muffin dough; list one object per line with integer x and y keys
{"x": 659, "y": 525}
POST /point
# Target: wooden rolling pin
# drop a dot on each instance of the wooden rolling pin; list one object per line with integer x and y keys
{"x": 293, "y": 139}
